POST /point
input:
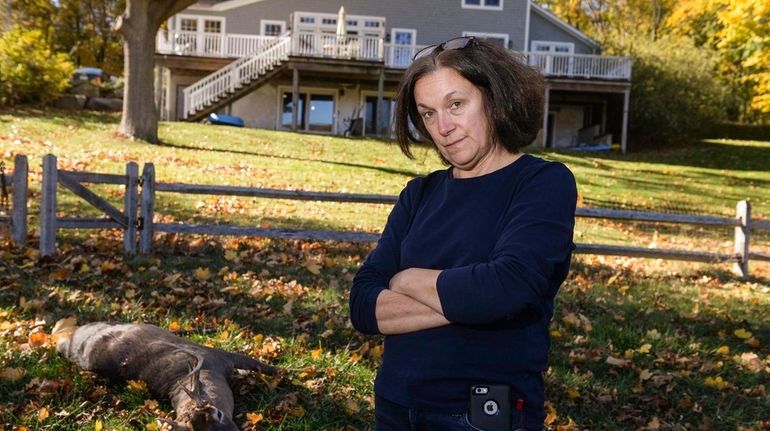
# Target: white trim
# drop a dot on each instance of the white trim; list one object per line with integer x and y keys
{"x": 482, "y": 35}
{"x": 563, "y": 25}
{"x": 310, "y": 91}
{"x": 232, "y": 4}
{"x": 481, "y": 5}
{"x": 552, "y": 44}
{"x": 526, "y": 26}
{"x": 403, "y": 30}
{"x": 264, "y": 22}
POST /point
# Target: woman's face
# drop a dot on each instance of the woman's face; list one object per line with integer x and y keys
{"x": 452, "y": 110}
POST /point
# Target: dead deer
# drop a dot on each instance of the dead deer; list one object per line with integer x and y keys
{"x": 194, "y": 377}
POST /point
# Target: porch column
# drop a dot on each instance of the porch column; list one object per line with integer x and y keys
{"x": 624, "y": 133}
{"x": 294, "y": 99}
{"x": 380, "y": 91}
{"x": 545, "y": 116}
{"x": 158, "y": 75}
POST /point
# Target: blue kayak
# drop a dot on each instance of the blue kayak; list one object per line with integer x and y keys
{"x": 225, "y": 120}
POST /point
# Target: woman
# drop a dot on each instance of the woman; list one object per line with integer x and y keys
{"x": 463, "y": 279}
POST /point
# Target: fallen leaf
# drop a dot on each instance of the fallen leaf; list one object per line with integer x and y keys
{"x": 724, "y": 350}
{"x": 742, "y": 334}
{"x": 202, "y": 274}
{"x": 298, "y": 411}
{"x": 316, "y": 354}
{"x": 37, "y": 339}
{"x": 617, "y": 362}
{"x": 137, "y": 385}
{"x": 231, "y": 255}
{"x": 654, "y": 423}
{"x": 254, "y": 418}
{"x": 645, "y": 375}
{"x": 42, "y": 414}
{"x": 12, "y": 374}
{"x": 174, "y": 326}
{"x": 644, "y": 348}
{"x": 98, "y": 425}
{"x": 351, "y": 406}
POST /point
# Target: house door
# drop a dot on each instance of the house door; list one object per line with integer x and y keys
{"x": 402, "y": 49}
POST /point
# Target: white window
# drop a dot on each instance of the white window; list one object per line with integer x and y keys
{"x": 272, "y": 28}
{"x": 498, "y": 38}
{"x": 402, "y": 46}
{"x": 188, "y": 24}
{"x": 555, "y": 47}
{"x": 482, "y": 4}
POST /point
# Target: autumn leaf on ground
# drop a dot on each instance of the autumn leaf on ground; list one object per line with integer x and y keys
{"x": 717, "y": 382}
{"x": 351, "y": 406}
{"x": 12, "y": 374}
{"x": 742, "y": 334}
{"x": 137, "y": 385}
{"x": 317, "y": 353}
{"x": 174, "y": 326}
{"x": 231, "y": 255}
{"x": 618, "y": 362}
{"x": 313, "y": 267}
{"x": 42, "y": 414}
{"x": 254, "y": 418}
{"x": 37, "y": 339}
{"x": 724, "y": 350}
{"x": 98, "y": 425}
{"x": 202, "y": 274}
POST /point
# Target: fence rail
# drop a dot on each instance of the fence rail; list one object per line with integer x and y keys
{"x": 137, "y": 217}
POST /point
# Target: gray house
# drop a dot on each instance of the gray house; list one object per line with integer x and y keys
{"x": 333, "y": 66}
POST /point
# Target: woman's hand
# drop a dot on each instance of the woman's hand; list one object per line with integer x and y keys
{"x": 419, "y": 284}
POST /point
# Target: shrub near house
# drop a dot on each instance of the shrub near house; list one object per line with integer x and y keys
{"x": 30, "y": 72}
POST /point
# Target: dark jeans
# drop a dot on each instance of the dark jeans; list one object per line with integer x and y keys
{"x": 390, "y": 416}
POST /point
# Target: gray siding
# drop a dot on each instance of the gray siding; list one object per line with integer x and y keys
{"x": 543, "y": 29}
{"x": 434, "y": 20}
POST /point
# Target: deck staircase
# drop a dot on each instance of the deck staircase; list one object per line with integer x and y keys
{"x": 236, "y": 80}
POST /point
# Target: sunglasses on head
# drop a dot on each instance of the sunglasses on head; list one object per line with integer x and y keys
{"x": 456, "y": 43}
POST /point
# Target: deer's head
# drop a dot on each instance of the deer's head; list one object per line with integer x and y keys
{"x": 200, "y": 413}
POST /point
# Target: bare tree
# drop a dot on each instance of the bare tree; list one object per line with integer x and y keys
{"x": 139, "y": 24}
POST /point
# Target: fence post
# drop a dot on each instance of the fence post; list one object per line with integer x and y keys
{"x": 148, "y": 203}
{"x": 130, "y": 202}
{"x": 48, "y": 206}
{"x": 742, "y": 236}
{"x": 19, "y": 209}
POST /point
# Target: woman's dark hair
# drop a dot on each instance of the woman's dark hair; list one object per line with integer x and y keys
{"x": 512, "y": 92}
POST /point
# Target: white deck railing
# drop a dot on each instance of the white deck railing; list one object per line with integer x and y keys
{"x": 369, "y": 48}
{"x": 210, "y": 45}
{"x": 333, "y": 46}
{"x": 235, "y": 75}
{"x": 580, "y": 65}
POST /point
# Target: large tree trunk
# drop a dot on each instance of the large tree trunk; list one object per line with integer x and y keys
{"x": 139, "y": 25}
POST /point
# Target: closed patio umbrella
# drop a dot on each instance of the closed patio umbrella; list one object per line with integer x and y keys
{"x": 342, "y": 26}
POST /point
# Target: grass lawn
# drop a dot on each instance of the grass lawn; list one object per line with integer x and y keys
{"x": 637, "y": 343}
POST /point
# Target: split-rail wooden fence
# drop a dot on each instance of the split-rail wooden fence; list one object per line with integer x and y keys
{"x": 136, "y": 219}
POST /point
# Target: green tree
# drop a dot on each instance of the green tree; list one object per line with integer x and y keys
{"x": 673, "y": 91}
{"x": 30, "y": 72}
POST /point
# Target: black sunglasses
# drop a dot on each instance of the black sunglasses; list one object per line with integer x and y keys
{"x": 455, "y": 43}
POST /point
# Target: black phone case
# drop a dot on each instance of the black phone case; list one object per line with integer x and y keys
{"x": 485, "y": 420}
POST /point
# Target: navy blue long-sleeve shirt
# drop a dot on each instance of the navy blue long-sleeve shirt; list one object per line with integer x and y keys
{"x": 503, "y": 243}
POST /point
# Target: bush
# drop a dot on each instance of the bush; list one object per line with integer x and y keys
{"x": 746, "y": 132}
{"x": 674, "y": 92}
{"x": 30, "y": 72}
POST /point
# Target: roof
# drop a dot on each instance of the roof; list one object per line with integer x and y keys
{"x": 548, "y": 15}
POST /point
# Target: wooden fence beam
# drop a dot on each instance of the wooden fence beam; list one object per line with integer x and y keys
{"x": 130, "y": 202}
{"x": 203, "y": 189}
{"x": 742, "y": 236}
{"x": 148, "y": 209}
{"x": 20, "y": 184}
{"x": 48, "y": 207}
{"x": 92, "y": 198}
{"x": 313, "y": 235}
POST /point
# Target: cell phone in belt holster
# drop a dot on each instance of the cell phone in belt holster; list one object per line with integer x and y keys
{"x": 490, "y": 407}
